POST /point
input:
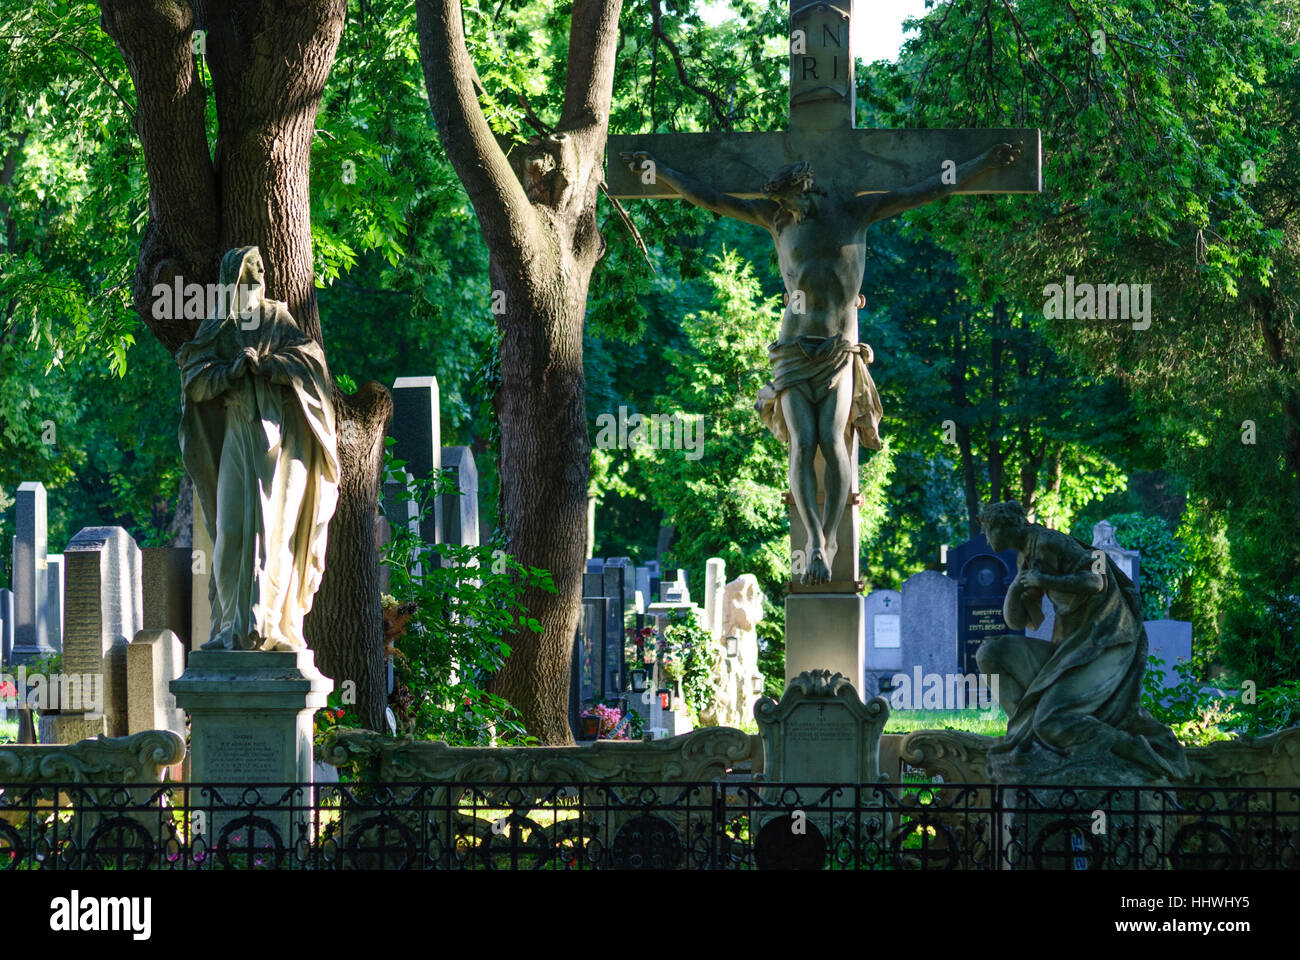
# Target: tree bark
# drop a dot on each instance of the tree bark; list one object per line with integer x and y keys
{"x": 269, "y": 62}
{"x": 345, "y": 626}
{"x": 537, "y": 212}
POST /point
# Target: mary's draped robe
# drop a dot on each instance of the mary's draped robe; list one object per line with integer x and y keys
{"x": 261, "y": 450}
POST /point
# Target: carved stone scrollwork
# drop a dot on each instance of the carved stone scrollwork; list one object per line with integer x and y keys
{"x": 1269, "y": 761}
{"x": 956, "y": 756}
{"x": 140, "y": 758}
{"x": 699, "y": 756}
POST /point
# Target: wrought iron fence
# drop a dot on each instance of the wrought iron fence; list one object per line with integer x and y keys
{"x": 717, "y": 825}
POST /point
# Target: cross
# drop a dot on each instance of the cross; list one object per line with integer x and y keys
{"x": 822, "y": 111}
{"x": 825, "y": 612}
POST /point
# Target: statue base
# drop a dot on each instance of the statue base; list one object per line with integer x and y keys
{"x": 251, "y": 722}
{"x": 825, "y": 631}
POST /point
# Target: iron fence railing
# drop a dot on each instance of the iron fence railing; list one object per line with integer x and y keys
{"x": 716, "y": 825}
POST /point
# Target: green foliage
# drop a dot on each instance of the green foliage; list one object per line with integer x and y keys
{"x": 690, "y": 648}
{"x": 1164, "y": 561}
{"x": 1276, "y": 708}
{"x": 1196, "y": 718}
{"x": 725, "y": 500}
{"x": 1260, "y": 640}
{"x": 466, "y": 599}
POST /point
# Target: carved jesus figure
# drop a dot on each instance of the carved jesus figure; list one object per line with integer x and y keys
{"x": 821, "y": 392}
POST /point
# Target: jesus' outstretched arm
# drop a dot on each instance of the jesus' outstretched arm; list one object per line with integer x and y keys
{"x": 757, "y": 212}
{"x": 881, "y": 206}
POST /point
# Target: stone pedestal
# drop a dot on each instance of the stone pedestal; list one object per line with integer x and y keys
{"x": 251, "y": 714}
{"x": 826, "y": 631}
{"x": 251, "y": 723}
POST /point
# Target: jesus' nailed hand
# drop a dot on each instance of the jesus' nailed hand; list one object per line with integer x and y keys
{"x": 820, "y": 236}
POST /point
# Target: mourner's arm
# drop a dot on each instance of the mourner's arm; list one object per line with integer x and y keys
{"x": 1084, "y": 581}
{"x": 1013, "y": 610}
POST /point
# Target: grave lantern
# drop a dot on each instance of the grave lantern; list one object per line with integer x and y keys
{"x": 665, "y": 697}
{"x": 733, "y": 646}
{"x": 589, "y": 727}
{"x": 639, "y": 680}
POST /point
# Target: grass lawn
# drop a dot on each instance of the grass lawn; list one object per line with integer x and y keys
{"x": 992, "y": 723}
{"x": 8, "y": 731}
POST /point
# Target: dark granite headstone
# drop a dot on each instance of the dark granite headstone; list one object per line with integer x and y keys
{"x": 983, "y": 578}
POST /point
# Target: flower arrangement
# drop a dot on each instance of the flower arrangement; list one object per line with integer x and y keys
{"x": 610, "y": 719}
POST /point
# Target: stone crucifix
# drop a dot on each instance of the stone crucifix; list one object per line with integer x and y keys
{"x": 821, "y": 399}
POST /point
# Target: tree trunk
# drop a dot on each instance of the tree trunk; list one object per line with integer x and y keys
{"x": 345, "y": 626}
{"x": 537, "y": 212}
{"x": 545, "y": 453}
{"x": 269, "y": 63}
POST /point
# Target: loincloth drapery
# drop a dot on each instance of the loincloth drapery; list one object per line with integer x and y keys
{"x": 814, "y": 366}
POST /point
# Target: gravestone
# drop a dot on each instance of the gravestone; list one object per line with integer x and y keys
{"x": 54, "y": 599}
{"x": 820, "y": 732}
{"x": 604, "y": 668}
{"x": 618, "y": 575}
{"x": 6, "y": 637}
{"x": 643, "y": 594}
{"x": 460, "y": 513}
{"x": 103, "y": 615}
{"x": 715, "y": 582}
{"x": 929, "y": 625}
{"x": 674, "y": 587}
{"x": 1171, "y": 641}
{"x": 153, "y": 660}
{"x": 30, "y": 576}
{"x": 983, "y": 578}
{"x": 417, "y": 431}
{"x": 883, "y": 622}
{"x": 1103, "y": 537}
{"x": 6, "y": 628}
{"x": 166, "y": 584}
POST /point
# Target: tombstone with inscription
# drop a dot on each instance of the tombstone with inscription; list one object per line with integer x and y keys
{"x": 884, "y": 640}
{"x": 103, "y": 614}
{"x": 983, "y": 576}
{"x": 820, "y": 733}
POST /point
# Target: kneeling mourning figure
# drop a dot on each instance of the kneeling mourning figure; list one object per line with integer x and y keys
{"x": 1073, "y": 705}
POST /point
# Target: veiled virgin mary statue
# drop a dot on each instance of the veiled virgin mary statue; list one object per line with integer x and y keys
{"x": 258, "y": 439}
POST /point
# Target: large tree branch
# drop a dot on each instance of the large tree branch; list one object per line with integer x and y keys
{"x": 589, "y": 81}
{"x": 506, "y": 216}
{"x": 181, "y": 238}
